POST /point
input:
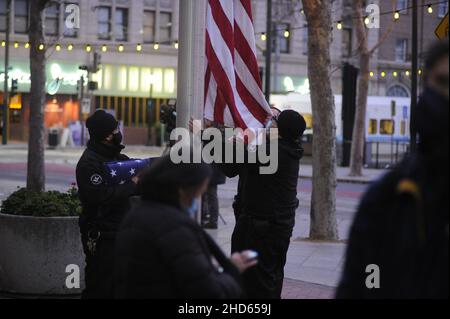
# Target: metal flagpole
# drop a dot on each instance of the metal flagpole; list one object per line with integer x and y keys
{"x": 191, "y": 64}
{"x": 191, "y": 61}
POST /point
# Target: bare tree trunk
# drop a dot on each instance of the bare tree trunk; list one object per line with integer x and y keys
{"x": 323, "y": 202}
{"x": 359, "y": 130}
{"x": 36, "y": 165}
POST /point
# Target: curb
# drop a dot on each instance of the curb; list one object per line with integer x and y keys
{"x": 345, "y": 180}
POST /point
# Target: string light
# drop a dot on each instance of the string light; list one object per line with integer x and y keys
{"x": 139, "y": 47}
{"x": 156, "y": 46}
{"x": 287, "y": 34}
{"x": 397, "y": 15}
{"x": 3, "y": 43}
{"x": 366, "y": 20}
{"x": 395, "y": 74}
{"x": 430, "y": 9}
{"x": 176, "y": 45}
{"x": 302, "y": 11}
{"x": 70, "y": 47}
{"x": 88, "y": 48}
{"x": 120, "y": 48}
{"x": 16, "y": 45}
{"x": 372, "y": 74}
{"x": 420, "y": 72}
{"x": 104, "y": 48}
{"x": 383, "y": 74}
{"x": 264, "y": 37}
{"x": 407, "y": 73}
{"x": 339, "y": 25}
{"x": 27, "y": 45}
{"x": 41, "y": 47}
{"x": 58, "y": 47}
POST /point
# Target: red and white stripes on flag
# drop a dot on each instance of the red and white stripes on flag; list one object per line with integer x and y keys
{"x": 233, "y": 93}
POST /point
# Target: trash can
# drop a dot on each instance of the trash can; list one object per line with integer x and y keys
{"x": 53, "y": 137}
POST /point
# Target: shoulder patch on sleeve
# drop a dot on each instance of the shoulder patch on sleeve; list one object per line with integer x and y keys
{"x": 96, "y": 180}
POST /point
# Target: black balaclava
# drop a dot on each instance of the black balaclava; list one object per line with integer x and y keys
{"x": 291, "y": 125}
{"x": 100, "y": 125}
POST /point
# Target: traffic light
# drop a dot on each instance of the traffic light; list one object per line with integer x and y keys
{"x": 14, "y": 87}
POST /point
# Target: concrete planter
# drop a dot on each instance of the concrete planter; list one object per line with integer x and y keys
{"x": 34, "y": 254}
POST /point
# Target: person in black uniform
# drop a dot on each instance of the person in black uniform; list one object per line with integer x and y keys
{"x": 103, "y": 205}
{"x": 162, "y": 252}
{"x": 266, "y": 210}
{"x": 402, "y": 224}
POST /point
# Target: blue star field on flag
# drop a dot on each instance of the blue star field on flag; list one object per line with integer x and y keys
{"x": 122, "y": 172}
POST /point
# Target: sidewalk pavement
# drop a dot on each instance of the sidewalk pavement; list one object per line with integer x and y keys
{"x": 18, "y": 153}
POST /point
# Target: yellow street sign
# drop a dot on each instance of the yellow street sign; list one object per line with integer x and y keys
{"x": 442, "y": 29}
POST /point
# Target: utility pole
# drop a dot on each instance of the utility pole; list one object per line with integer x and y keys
{"x": 269, "y": 50}
{"x": 5, "y": 90}
{"x": 414, "y": 77}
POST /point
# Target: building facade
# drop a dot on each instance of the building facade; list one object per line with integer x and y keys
{"x": 133, "y": 43}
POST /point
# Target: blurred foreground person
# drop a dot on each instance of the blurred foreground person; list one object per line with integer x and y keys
{"x": 265, "y": 209}
{"x": 402, "y": 226}
{"x": 162, "y": 253}
{"x": 103, "y": 205}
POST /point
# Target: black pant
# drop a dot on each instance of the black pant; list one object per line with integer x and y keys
{"x": 210, "y": 206}
{"x": 99, "y": 274}
{"x": 271, "y": 240}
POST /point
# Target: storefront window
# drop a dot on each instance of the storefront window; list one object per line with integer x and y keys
{"x": 403, "y": 128}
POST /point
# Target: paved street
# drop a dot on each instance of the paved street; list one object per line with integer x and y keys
{"x": 313, "y": 268}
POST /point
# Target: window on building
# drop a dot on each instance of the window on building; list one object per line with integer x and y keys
{"x": 373, "y": 127}
{"x": 165, "y": 26}
{"x": 149, "y": 26}
{"x": 401, "y": 50}
{"x": 387, "y": 127}
{"x": 281, "y": 40}
{"x": 2, "y": 15}
{"x": 402, "y": 6}
{"x": 347, "y": 43}
{"x": 397, "y": 91}
{"x": 104, "y": 23}
{"x": 121, "y": 24}
{"x": 52, "y": 19}
{"x": 69, "y": 32}
{"x": 21, "y": 16}
{"x": 443, "y": 9}
{"x": 305, "y": 39}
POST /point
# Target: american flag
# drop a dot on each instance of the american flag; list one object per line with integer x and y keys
{"x": 233, "y": 94}
{"x": 119, "y": 173}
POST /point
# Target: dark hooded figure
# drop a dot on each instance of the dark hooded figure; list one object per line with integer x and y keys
{"x": 104, "y": 206}
{"x": 266, "y": 207}
{"x": 399, "y": 242}
{"x": 162, "y": 252}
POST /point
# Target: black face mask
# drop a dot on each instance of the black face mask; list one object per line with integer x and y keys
{"x": 117, "y": 139}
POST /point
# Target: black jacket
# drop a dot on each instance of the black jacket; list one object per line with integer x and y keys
{"x": 104, "y": 206}
{"x": 402, "y": 227}
{"x": 272, "y": 195}
{"x": 161, "y": 253}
